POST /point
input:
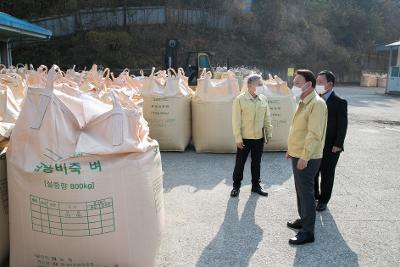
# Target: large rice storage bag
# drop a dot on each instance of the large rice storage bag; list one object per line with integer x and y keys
{"x": 167, "y": 109}
{"x": 212, "y": 114}
{"x": 85, "y": 183}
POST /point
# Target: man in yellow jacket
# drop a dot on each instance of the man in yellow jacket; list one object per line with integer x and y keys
{"x": 305, "y": 146}
{"x": 251, "y": 121}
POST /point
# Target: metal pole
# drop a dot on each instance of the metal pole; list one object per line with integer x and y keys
{"x": 8, "y": 55}
{"x": 125, "y": 13}
{"x": 388, "y": 73}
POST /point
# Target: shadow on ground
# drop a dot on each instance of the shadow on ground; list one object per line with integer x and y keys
{"x": 205, "y": 171}
{"x": 237, "y": 239}
{"x": 329, "y": 248}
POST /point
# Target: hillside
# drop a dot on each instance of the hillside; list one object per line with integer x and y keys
{"x": 318, "y": 34}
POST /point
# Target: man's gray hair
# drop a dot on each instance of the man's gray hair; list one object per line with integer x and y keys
{"x": 252, "y": 78}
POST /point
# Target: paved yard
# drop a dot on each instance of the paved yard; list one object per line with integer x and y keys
{"x": 205, "y": 227}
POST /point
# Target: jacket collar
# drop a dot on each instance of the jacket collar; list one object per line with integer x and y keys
{"x": 310, "y": 97}
{"x": 331, "y": 96}
{"x": 249, "y": 96}
{"x": 328, "y": 95}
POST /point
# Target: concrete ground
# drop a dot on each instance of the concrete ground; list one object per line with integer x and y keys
{"x": 205, "y": 227}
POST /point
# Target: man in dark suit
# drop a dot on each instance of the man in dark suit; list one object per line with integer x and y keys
{"x": 335, "y": 135}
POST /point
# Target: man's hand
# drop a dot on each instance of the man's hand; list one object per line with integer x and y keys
{"x": 302, "y": 164}
{"x": 287, "y": 157}
{"x": 336, "y": 149}
{"x": 266, "y": 140}
{"x": 240, "y": 145}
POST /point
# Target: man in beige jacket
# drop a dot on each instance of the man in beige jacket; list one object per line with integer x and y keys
{"x": 251, "y": 121}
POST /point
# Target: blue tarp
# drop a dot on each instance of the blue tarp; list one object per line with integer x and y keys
{"x": 22, "y": 26}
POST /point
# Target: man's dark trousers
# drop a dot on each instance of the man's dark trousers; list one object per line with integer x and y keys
{"x": 255, "y": 148}
{"x": 335, "y": 135}
{"x": 304, "y": 183}
{"x": 323, "y": 191}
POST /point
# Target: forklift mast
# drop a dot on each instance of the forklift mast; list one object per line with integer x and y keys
{"x": 171, "y": 59}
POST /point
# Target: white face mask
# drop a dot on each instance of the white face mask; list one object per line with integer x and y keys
{"x": 260, "y": 90}
{"x": 296, "y": 91}
{"x": 320, "y": 89}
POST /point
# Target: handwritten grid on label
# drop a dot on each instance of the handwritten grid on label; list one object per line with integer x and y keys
{"x": 72, "y": 219}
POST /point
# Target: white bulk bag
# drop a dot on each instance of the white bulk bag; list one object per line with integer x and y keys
{"x": 84, "y": 190}
{"x": 212, "y": 114}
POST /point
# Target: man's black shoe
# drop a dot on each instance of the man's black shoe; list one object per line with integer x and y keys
{"x": 302, "y": 238}
{"x": 294, "y": 225}
{"x": 259, "y": 191}
{"x": 321, "y": 206}
{"x": 235, "y": 192}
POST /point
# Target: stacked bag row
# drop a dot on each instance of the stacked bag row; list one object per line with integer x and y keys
{"x": 208, "y": 121}
{"x": 373, "y": 80}
{"x": 13, "y": 86}
{"x": 240, "y": 73}
{"x": 83, "y": 164}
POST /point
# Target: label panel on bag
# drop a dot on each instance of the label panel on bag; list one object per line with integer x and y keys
{"x": 160, "y": 106}
{"x": 72, "y": 219}
{"x": 67, "y": 168}
{"x": 279, "y": 118}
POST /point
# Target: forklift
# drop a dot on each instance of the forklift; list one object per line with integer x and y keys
{"x": 196, "y": 61}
